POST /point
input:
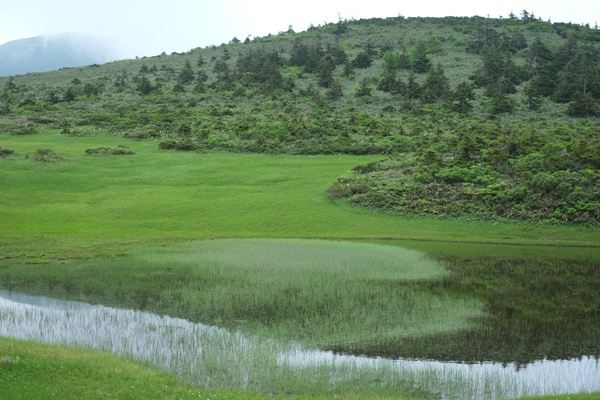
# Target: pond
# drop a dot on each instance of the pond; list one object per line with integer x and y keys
{"x": 538, "y": 332}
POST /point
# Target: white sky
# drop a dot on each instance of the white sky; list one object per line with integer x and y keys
{"x": 153, "y": 26}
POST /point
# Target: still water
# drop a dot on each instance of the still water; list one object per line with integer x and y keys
{"x": 184, "y": 349}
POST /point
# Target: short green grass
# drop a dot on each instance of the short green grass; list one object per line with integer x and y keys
{"x": 165, "y": 194}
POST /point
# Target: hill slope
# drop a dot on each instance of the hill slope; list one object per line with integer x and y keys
{"x": 63, "y": 50}
{"x": 493, "y": 117}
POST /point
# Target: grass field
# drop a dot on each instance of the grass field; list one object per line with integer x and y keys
{"x": 147, "y": 207}
{"x": 89, "y": 200}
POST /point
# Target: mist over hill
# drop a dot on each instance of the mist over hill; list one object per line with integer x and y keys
{"x": 55, "y": 51}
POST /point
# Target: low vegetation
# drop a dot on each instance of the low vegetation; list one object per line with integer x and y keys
{"x": 114, "y": 151}
{"x": 498, "y": 114}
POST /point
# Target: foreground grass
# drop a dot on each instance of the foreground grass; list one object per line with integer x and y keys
{"x": 50, "y": 372}
{"x": 105, "y": 203}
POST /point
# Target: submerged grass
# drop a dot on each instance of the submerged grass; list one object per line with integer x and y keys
{"x": 314, "y": 292}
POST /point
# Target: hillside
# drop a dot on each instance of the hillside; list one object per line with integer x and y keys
{"x": 63, "y": 50}
{"x": 495, "y": 118}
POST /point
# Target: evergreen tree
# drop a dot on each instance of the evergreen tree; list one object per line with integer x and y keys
{"x": 144, "y": 86}
{"x": 542, "y": 72}
{"x": 436, "y": 87}
{"x": 299, "y": 54}
{"x": 69, "y": 95}
{"x": 420, "y": 62}
{"x": 335, "y": 91}
{"x": 413, "y": 89}
{"x": 461, "y": 97}
{"x": 389, "y": 83}
{"x": 186, "y": 75}
{"x": 584, "y": 106}
{"x": 201, "y": 61}
{"x": 404, "y": 61}
{"x": 391, "y": 61}
{"x": 326, "y": 72}
{"x": 362, "y": 60}
{"x": 364, "y": 89}
{"x": 314, "y": 58}
{"x": 533, "y": 94}
{"x": 348, "y": 70}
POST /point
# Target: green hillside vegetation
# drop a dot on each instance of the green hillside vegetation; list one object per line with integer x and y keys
{"x": 495, "y": 113}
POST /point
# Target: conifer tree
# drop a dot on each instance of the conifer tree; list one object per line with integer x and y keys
{"x": 335, "y": 91}
{"x": 389, "y": 83}
{"x": 436, "y": 87}
{"x": 326, "y": 72}
{"x": 363, "y": 89}
{"x": 186, "y": 75}
{"x": 413, "y": 89}
{"x": 348, "y": 70}
{"x": 461, "y": 97}
{"x": 362, "y": 60}
{"x": 420, "y": 62}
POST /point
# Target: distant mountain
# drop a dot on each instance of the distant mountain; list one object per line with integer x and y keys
{"x": 55, "y": 51}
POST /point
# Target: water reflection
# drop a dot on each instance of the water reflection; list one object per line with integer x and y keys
{"x": 541, "y": 304}
{"x": 195, "y": 351}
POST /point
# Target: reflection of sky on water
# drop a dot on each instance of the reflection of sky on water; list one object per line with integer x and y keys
{"x": 179, "y": 347}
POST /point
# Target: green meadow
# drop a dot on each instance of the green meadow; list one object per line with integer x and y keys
{"x": 154, "y": 194}
{"x": 130, "y": 231}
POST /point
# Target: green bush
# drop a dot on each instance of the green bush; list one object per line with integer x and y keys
{"x": 116, "y": 151}
{"x": 5, "y": 152}
{"x": 44, "y": 155}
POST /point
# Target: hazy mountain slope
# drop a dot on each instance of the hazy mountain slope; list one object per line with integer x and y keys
{"x": 482, "y": 116}
{"x": 50, "y": 52}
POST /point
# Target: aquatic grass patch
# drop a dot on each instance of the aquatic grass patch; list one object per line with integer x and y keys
{"x": 319, "y": 293}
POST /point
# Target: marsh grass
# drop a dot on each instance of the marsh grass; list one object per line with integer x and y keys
{"x": 319, "y": 293}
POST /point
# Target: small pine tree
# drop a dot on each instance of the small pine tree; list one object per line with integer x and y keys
{"x": 186, "y": 75}
{"x": 69, "y": 95}
{"x": 362, "y": 60}
{"x": 420, "y": 62}
{"x": 326, "y": 73}
{"x": 584, "y": 106}
{"x": 364, "y": 89}
{"x": 348, "y": 70}
{"x": 413, "y": 89}
{"x": 335, "y": 91}
{"x": 144, "y": 86}
{"x": 461, "y": 98}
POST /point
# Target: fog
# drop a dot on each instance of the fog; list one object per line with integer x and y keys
{"x": 153, "y": 26}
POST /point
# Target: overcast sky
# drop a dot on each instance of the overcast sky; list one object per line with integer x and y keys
{"x": 150, "y": 27}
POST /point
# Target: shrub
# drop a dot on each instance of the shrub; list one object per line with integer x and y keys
{"x": 44, "y": 155}
{"x": 5, "y": 152}
{"x": 26, "y": 130}
{"x": 177, "y": 144}
{"x": 116, "y": 151}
